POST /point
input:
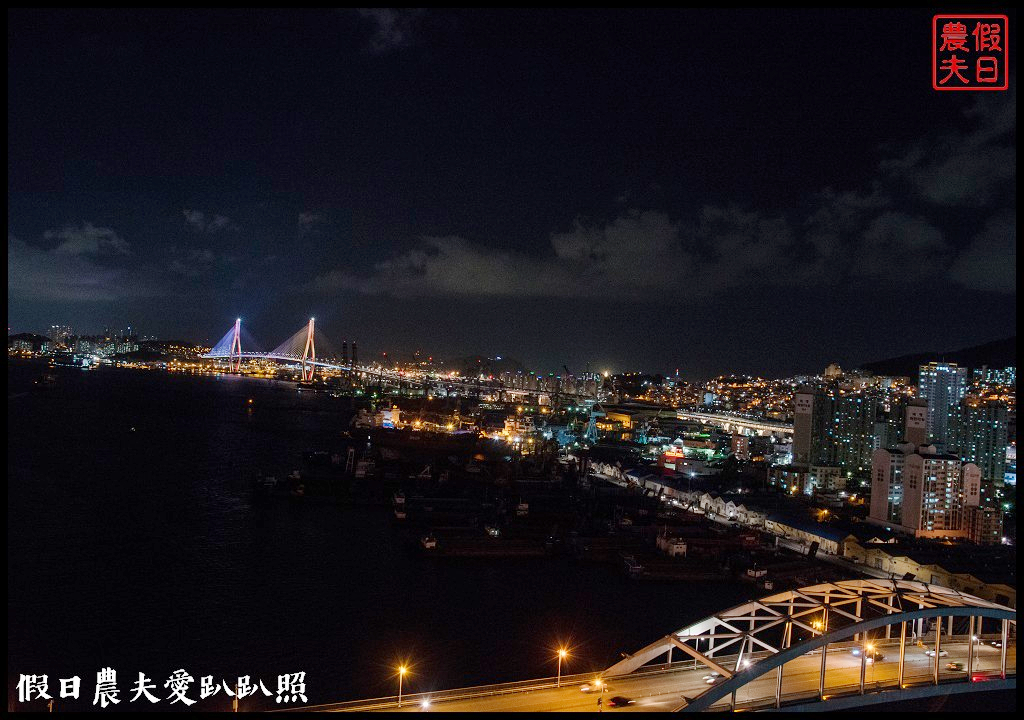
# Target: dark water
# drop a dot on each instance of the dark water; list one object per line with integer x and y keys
{"x": 133, "y": 543}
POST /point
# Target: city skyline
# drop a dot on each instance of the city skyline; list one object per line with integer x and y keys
{"x": 465, "y": 183}
{"x": 61, "y": 333}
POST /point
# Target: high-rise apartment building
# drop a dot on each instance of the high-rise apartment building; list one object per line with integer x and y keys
{"x": 937, "y": 489}
{"x": 60, "y": 334}
{"x": 887, "y": 484}
{"x": 923, "y": 492}
{"x": 943, "y": 385}
{"x": 812, "y": 418}
{"x": 853, "y": 433}
{"x": 978, "y": 434}
{"x": 837, "y": 429}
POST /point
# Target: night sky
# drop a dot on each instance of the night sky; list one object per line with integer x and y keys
{"x": 748, "y": 191}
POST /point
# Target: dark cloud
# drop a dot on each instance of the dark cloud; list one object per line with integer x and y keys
{"x": 971, "y": 168}
{"x": 898, "y": 247}
{"x": 203, "y": 223}
{"x": 637, "y": 252}
{"x": 312, "y": 223}
{"x": 192, "y": 263}
{"x": 845, "y": 236}
{"x": 309, "y": 219}
{"x": 393, "y": 27}
{"x": 588, "y": 261}
{"x": 87, "y": 239}
{"x": 646, "y": 252}
{"x": 82, "y": 269}
{"x": 738, "y": 247}
{"x": 989, "y": 262}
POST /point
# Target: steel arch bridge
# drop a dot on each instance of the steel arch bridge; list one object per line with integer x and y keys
{"x": 748, "y": 641}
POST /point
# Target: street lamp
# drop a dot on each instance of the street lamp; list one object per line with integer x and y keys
{"x": 402, "y": 670}
{"x": 562, "y": 654}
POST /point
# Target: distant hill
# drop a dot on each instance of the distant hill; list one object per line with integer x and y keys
{"x": 31, "y": 337}
{"x": 995, "y": 354}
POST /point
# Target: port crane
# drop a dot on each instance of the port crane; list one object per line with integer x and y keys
{"x": 558, "y": 389}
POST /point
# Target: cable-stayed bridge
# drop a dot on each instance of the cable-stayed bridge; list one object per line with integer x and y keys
{"x": 309, "y": 348}
{"x": 299, "y": 348}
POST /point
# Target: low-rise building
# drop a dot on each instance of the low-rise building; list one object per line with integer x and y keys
{"x": 807, "y": 532}
{"x": 991, "y": 576}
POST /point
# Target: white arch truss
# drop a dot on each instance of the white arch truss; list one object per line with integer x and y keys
{"x": 745, "y": 642}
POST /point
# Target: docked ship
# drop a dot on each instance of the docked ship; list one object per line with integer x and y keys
{"x": 68, "y": 359}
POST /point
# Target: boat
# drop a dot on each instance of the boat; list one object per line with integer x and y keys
{"x": 267, "y": 483}
{"x": 45, "y": 380}
{"x": 265, "y": 486}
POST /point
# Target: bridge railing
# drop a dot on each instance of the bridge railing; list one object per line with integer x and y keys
{"x": 852, "y": 689}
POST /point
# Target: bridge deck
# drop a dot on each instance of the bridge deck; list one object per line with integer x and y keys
{"x": 665, "y": 691}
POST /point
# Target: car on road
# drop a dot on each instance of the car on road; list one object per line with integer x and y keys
{"x": 620, "y": 701}
{"x": 996, "y": 643}
{"x": 593, "y": 687}
{"x": 931, "y": 653}
{"x": 715, "y": 680}
{"x": 955, "y": 666}
{"x": 871, "y": 655}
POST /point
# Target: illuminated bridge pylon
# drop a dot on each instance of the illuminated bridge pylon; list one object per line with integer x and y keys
{"x": 235, "y": 354}
{"x": 300, "y": 348}
{"x": 852, "y": 625}
{"x": 309, "y": 352}
{"x": 229, "y": 347}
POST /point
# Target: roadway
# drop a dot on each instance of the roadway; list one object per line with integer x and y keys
{"x": 665, "y": 691}
{"x": 726, "y": 421}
